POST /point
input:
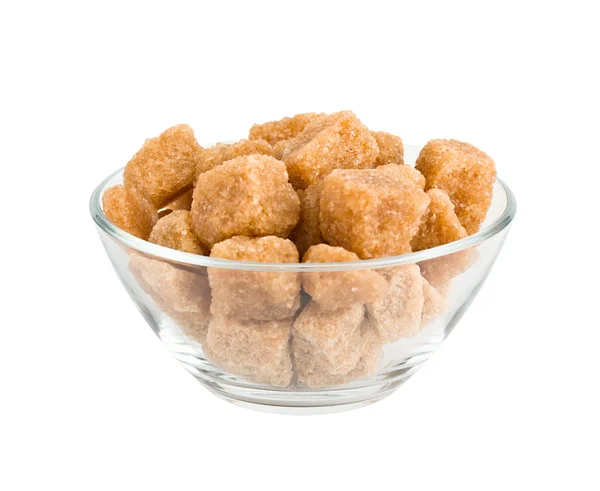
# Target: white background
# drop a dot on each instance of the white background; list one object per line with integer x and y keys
{"x": 91, "y": 400}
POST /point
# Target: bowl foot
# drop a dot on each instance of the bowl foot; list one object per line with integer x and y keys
{"x": 300, "y": 410}
{"x": 302, "y": 402}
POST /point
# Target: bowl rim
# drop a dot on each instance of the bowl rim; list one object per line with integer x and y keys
{"x": 195, "y": 260}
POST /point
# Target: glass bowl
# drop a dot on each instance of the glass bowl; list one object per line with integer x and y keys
{"x": 268, "y": 347}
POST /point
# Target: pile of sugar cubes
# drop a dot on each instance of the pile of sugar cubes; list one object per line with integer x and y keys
{"x": 313, "y": 188}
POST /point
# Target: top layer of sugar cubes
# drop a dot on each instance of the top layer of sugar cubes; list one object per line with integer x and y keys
{"x": 251, "y": 188}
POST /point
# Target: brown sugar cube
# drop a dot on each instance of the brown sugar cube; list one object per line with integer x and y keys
{"x": 181, "y": 294}
{"x": 249, "y": 195}
{"x": 183, "y": 290}
{"x": 370, "y": 212}
{"x": 434, "y": 303}
{"x": 315, "y": 371}
{"x": 441, "y": 270}
{"x": 341, "y": 289}
{"x": 181, "y": 202}
{"x": 276, "y": 131}
{"x": 391, "y": 149}
{"x": 337, "y": 141}
{"x": 255, "y": 350}
{"x": 371, "y": 353}
{"x": 193, "y": 325}
{"x": 307, "y": 233}
{"x": 444, "y": 289}
{"x": 280, "y": 147}
{"x": 164, "y": 166}
{"x": 211, "y": 157}
{"x": 369, "y": 359}
{"x": 175, "y": 231}
{"x": 466, "y": 173}
{"x": 333, "y": 336}
{"x": 405, "y": 171}
{"x": 370, "y": 356}
{"x": 398, "y": 315}
{"x": 439, "y": 224}
{"x": 129, "y": 211}
{"x": 259, "y": 295}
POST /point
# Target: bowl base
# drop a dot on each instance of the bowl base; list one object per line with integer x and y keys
{"x": 299, "y": 401}
{"x": 299, "y": 410}
{"x": 295, "y": 399}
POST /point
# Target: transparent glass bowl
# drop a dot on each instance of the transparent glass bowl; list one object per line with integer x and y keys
{"x": 315, "y": 360}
